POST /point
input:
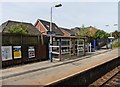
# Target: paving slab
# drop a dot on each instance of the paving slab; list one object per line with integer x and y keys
{"x": 51, "y": 75}
{"x": 18, "y": 70}
{"x": 54, "y": 74}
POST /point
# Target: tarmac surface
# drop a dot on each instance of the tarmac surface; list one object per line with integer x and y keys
{"x": 45, "y": 73}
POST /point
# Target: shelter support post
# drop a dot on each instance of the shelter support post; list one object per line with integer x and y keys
{"x": 60, "y": 49}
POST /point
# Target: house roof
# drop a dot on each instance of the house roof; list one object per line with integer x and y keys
{"x": 2, "y": 26}
{"x": 75, "y": 30}
{"x": 55, "y": 28}
{"x": 71, "y": 33}
{"x": 6, "y": 25}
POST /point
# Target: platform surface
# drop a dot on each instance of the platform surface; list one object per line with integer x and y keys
{"x": 54, "y": 73}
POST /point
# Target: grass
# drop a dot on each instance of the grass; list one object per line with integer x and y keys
{"x": 117, "y": 44}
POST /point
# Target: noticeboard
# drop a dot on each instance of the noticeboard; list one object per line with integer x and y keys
{"x": 31, "y": 52}
{"x": 17, "y": 52}
{"x": 6, "y": 53}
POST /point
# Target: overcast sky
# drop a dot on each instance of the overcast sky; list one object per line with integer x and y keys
{"x": 70, "y": 15}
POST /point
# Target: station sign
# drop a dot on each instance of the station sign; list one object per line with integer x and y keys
{"x": 110, "y": 37}
{"x": 51, "y": 33}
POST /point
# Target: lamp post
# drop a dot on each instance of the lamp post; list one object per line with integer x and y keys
{"x": 111, "y": 36}
{"x": 113, "y": 25}
{"x": 59, "y": 5}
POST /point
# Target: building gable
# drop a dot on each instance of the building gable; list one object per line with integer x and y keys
{"x": 41, "y": 27}
{"x": 44, "y": 26}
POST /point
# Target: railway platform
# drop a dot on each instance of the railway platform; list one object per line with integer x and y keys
{"x": 46, "y": 73}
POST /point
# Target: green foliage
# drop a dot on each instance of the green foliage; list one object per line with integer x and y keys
{"x": 101, "y": 34}
{"x": 117, "y": 44}
{"x": 84, "y": 32}
{"x": 18, "y": 28}
{"x": 116, "y": 34}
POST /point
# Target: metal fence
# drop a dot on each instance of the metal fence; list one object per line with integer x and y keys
{"x": 102, "y": 42}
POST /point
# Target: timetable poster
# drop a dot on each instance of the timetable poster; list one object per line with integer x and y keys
{"x": 6, "y": 53}
{"x": 17, "y": 52}
{"x": 31, "y": 51}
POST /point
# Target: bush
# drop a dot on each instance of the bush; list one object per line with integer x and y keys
{"x": 117, "y": 44}
{"x": 101, "y": 34}
{"x": 18, "y": 29}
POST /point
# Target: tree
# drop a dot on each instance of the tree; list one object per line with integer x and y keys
{"x": 101, "y": 34}
{"x": 116, "y": 34}
{"x": 18, "y": 28}
{"x": 84, "y": 32}
{"x": 87, "y": 31}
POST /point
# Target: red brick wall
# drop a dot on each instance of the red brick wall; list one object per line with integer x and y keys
{"x": 40, "y": 27}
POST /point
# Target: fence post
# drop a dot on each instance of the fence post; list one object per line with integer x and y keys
{"x": 60, "y": 49}
{"x": 78, "y": 47}
{"x": 94, "y": 44}
{"x": 38, "y": 49}
{"x": 90, "y": 46}
{"x": 84, "y": 53}
{"x": 50, "y": 53}
{"x": 22, "y": 56}
{"x": 0, "y": 51}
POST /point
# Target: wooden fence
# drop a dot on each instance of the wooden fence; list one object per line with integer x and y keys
{"x": 24, "y": 49}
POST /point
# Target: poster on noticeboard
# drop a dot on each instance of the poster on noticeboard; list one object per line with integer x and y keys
{"x": 17, "y": 52}
{"x": 31, "y": 52}
{"x": 6, "y": 53}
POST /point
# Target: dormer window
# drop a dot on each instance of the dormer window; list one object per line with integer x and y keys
{"x": 48, "y": 26}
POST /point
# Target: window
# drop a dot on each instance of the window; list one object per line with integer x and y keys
{"x": 47, "y": 26}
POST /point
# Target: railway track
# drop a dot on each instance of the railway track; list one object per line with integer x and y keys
{"x": 111, "y": 79}
{"x": 114, "y": 81}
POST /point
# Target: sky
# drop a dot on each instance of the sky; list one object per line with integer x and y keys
{"x": 70, "y": 15}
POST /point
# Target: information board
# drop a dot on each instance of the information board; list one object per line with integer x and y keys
{"x": 31, "y": 51}
{"x": 17, "y": 52}
{"x": 6, "y": 53}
